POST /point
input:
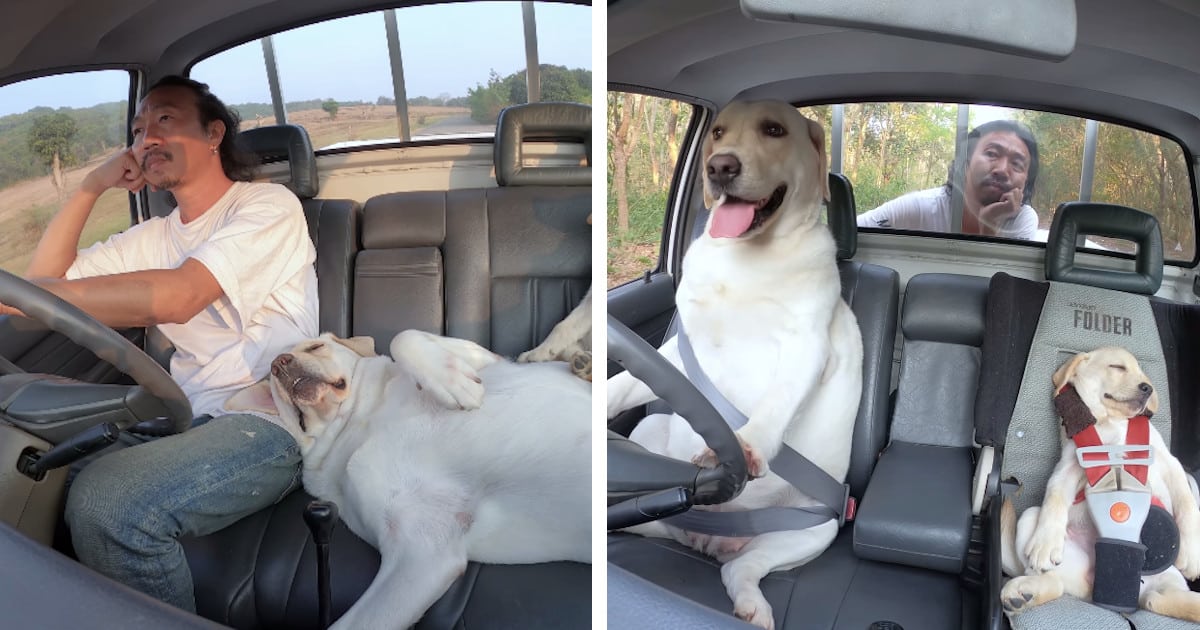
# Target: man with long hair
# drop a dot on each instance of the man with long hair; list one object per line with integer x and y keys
{"x": 228, "y": 278}
{"x": 997, "y": 180}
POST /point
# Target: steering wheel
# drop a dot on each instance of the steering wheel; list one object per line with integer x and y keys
{"x": 166, "y": 407}
{"x": 633, "y": 471}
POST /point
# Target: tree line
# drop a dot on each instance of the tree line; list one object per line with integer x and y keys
{"x": 559, "y": 83}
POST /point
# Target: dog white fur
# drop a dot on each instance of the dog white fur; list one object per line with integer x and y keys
{"x": 1051, "y": 550}
{"x": 765, "y": 316}
{"x": 448, "y": 454}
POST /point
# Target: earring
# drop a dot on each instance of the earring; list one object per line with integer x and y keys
{"x": 213, "y": 148}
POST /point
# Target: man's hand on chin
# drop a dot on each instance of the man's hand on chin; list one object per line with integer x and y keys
{"x": 995, "y": 214}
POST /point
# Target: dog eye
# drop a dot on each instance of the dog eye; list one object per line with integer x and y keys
{"x": 773, "y": 129}
{"x": 1120, "y": 368}
{"x": 340, "y": 384}
{"x": 314, "y": 347}
{"x": 718, "y": 132}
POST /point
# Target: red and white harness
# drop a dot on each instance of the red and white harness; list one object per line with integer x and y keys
{"x": 1137, "y": 433}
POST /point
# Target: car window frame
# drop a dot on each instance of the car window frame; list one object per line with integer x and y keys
{"x": 676, "y": 220}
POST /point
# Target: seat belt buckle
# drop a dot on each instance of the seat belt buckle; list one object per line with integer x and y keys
{"x": 849, "y": 507}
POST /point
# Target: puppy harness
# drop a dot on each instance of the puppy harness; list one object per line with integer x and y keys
{"x": 1137, "y": 536}
{"x": 834, "y": 496}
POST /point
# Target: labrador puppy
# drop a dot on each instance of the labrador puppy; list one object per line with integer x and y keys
{"x": 760, "y": 299}
{"x": 1051, "y": 550}
{"x": 441, "y": 454}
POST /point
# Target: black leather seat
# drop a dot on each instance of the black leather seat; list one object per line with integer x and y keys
{"x": 839, "y": 589}
{"x": 499, "y": 266}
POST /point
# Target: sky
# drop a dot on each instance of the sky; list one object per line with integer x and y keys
{"x": 446, "y": 49}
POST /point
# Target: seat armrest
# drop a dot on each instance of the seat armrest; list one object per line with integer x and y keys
{"x": 917, "y": 507}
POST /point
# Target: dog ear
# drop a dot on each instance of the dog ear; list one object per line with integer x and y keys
{"x": 256, "y": 397}
{"x": 817, "y": 133}
{"x": 1152, "y": 403}
{"x": 364, "y": 346}
{"x": 1066, "y": 372}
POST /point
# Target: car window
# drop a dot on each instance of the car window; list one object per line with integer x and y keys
{"x": 906, "y": 161}
{"x": 644, "y": 138}
{"x": 52, "y": 131}
{"x": 455, "y": 67}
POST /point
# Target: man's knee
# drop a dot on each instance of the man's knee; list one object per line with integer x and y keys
{"x": 99, "y": 499}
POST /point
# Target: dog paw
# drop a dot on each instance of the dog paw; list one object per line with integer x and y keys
{"x": 456, "y": 385}
{"x": 581, "y": 365}
{"x": 756, "y": 466}
{"x": 754, "y": 610}
{"x": 1045, "y": 550}
{"x": 1017, "y": 596}
{"x": 756, "y": 458}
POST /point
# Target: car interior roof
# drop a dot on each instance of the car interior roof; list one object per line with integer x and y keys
{"x": 37, "y": 38}
{"x": 1136, "y": 62}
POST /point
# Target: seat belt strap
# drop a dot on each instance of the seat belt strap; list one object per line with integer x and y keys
{"x": 837, "y": 504}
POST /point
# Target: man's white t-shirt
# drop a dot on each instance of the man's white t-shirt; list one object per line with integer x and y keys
{"x": 254, "y": 240}
{"x": 929, "y": 210}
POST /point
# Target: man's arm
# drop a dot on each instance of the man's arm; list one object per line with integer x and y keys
{"x": 59, "y": 244}
{"x": 139, "y": 298}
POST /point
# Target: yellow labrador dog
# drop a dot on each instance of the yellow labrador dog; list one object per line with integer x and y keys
{"x": 1051, "y": 550}
{"x": 440, "y": 454}
{"x": 760, "y": 299}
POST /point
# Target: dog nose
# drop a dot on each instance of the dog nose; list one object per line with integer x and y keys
{"x": 723, "y": 168}
{"x": 281, "y": 362}
{"x": 1145, "y": 388}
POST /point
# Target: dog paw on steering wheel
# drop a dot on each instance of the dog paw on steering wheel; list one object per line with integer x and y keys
{"x": 756, "y": 466}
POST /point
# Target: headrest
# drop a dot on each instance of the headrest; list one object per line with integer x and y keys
{"x": 1076, "y": 218}
{"x": 841, "y": 215}
{"x": 286, "y": 142}
{"x": 404, "y": 219}
{"x": 542, "y": 120}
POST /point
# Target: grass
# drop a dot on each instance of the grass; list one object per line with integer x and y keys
{"x": 109, "y": 216}
{"x": 633, "y": 253}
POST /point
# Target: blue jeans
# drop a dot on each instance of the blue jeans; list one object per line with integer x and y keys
{"x": 127, "y": 509}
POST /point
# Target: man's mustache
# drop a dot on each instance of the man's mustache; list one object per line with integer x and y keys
{"x": 163, "y": 154}
{"x": 996, "y": 181}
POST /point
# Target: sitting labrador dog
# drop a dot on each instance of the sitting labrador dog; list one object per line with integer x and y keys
{"x": 442, "y": 454}
{"x": 760, "y": 299}
{"x": 1050, "y": 551}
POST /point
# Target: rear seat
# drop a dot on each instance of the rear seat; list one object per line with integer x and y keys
{"x": 499, "y": 266}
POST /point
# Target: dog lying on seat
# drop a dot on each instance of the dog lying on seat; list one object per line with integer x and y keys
{"x": 447, "y": 454}
{"x": 760, "y": 299}
{"x": 1051, "y": 550}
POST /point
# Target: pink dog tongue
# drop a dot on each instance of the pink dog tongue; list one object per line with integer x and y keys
{"x": 731, "y": 219}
